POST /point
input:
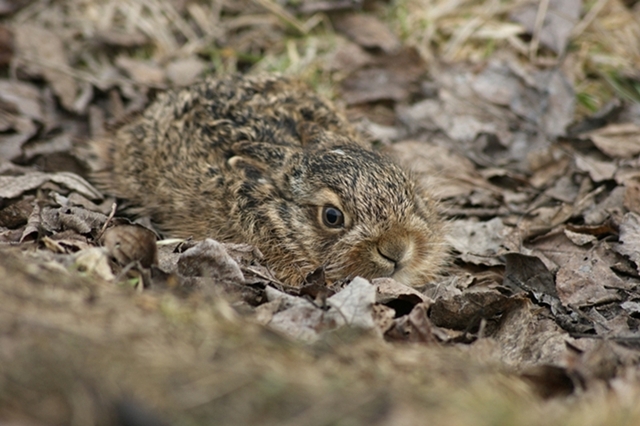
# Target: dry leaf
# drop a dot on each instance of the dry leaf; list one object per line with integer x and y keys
{"x": 210, "y": 259}
{"x": 630, "y": 238}
{"x": 299, "y": 318}
{"x": 43, "y": 50}
{"x": 131, "y": 243}
{"x": 478, "y": 242}
{"x": 465, "y": 311}
{"x": 349, "y": 57}
{"x": 23, "y": 97}
{"x": 16, "y": 214}
{"x": 14, "y": 186}
{"x": 182, "y": 72}
{"x": 559, "y": 19}
{"x": 143, "y": 72}
{"x": 94, "y": 261}
{"x": 367, "y": 31}
{"x": 587, "y": 280}
{"x": 527, "y": 337}
{"x": 619, "y": 140}
{"x": 598, "y": 170}
{"x": 393, "y": 78}
{"x": 415, "y": 327}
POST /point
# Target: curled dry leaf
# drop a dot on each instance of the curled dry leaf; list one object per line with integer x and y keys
{"x": 14, "y": 186}
{"x": 388, "y": 289}
{"x": 354, "y": 303}
{"x": 16, "y": 214}
{"x": 414, "y": 327}
{"x": 300, "y": 318}
{"x": 66, "y": 242}
{"x": 131, "y": 243}
{"x": 465, "y": 311}
{"x": 210, "y": 259}
{"x": 550, "y": 380}
{"x": 52, "y": 220}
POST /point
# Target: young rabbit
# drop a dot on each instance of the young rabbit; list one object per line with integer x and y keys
{"x": 263, "y": 160}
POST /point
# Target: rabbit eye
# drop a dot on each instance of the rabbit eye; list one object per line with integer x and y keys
{"x": 332, "y": 217}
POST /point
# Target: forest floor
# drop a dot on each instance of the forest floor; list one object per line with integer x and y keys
{"x": 523, "y": 117}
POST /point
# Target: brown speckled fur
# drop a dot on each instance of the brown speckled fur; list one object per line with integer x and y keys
{"x": 254, "y": 160}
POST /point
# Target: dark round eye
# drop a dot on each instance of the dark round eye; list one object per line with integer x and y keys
{"x": 332, "y": 217}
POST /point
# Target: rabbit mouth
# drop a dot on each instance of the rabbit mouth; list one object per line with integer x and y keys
{"x": 389, "y": 261}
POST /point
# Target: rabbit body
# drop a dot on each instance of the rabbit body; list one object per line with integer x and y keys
{"x": 265, "y": 161}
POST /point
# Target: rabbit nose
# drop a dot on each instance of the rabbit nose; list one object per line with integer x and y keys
{"x": 393, "y": 250}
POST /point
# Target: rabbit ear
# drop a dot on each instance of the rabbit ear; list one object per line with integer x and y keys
{"x": 265, "y": 153}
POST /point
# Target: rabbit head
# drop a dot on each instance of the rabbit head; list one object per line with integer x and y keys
{"x": 332, "y": 203}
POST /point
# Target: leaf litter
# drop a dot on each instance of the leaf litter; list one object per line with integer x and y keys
{"x": 516, "y": 115}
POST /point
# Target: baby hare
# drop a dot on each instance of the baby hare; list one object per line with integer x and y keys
{"x": 265, "y": 161}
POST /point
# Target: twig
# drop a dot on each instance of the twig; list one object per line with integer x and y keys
{"x": 537, "y": 29}
{"x": 588, "y": 18}
{"x": 283, "y": 14}
{"x": 106, "y": 223}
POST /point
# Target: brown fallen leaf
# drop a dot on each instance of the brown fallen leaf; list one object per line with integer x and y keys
{"x": 209, "y": 258}
{"x": 630, "y": 238}
{"x": 6, "y": 45}
{"x": 389, "y": 290}
{"x": 368, "y": 31}
{"x": 182, "y": 72}
{"x": 445, "y": 172}
{"x": 585, "y": 280}
{"x": 143, "y": 72}
{"x": 618, "y": 140}
{"x": 131, "y": 243}
{"x": 66, "y": 242}
{"x": 478, "y": 242}
{"x": 559, "y": 19}
{"x": 465, "y": 311}
{"x": 57, "y": 219}
{"x": 394, "y": 77}
{"x": 414, "y": 327}
{"x": 22, "y": 97}
{"x": 18, "y": 130}
{"x": 598, "y": 170}
{"x": 301, "y": 319}
{"x": 42, "y": 51}
{"x": 550, "y": 380}
{"x": 348, "y": 57}
{"x": 16, "y": 214}
{"x": 527, "y": 337}
{"x": 632, "y": 195}
{"x": 94, "y": 261}
{"x": 14, "y": 186}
